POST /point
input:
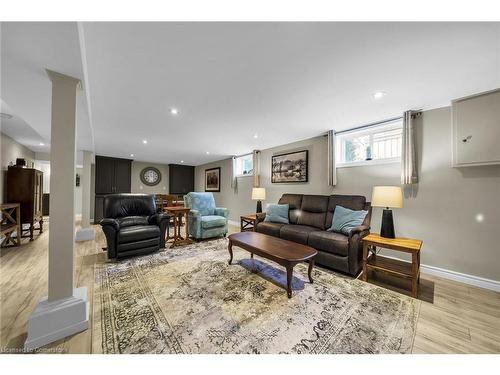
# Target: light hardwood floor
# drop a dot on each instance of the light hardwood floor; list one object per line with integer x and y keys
{"x": 454, "y": 317}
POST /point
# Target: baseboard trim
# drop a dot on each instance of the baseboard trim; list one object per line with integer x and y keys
{"x": 480, "y": 282}
{"x": 233, "y": 222}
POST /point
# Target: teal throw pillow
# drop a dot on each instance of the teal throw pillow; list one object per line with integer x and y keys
{"x": 344, "y": 220}
{"x": 277, "y": 213}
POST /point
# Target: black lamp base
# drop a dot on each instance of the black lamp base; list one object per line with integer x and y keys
{"x": 259, "y": 207}
{"x": 387, "y": 229}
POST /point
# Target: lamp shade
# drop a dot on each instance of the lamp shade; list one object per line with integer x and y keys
{"x": 387, "y": 196}
{"x": 258, "y": 194}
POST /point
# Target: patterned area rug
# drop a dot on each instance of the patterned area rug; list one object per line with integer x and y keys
{"x": 189, "y": 300}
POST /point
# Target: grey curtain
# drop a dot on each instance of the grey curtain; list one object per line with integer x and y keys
{"x": 256, "y": 168}
{"x": 409, "y": 172}
{"x": 234, "y": 179}
{"x": 332, "y": 166}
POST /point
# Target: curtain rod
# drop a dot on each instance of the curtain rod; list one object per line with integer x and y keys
{"x": 370, "y": 125}
{"x": 415, "y": 113}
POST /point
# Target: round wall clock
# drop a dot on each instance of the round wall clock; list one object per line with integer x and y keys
{"x": 150, "y": 176}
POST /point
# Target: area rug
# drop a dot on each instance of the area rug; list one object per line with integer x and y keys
{"x": 189, "y": 300}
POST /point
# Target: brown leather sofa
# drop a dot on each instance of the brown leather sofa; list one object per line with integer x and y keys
{"x": 310, "y": 216}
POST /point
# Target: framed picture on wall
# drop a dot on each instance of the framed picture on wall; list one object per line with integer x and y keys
{"x": 212, "y": 179}
{"x": 291, "y": 167}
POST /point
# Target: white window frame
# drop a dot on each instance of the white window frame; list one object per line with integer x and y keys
{"x": 369, "y": 130}
{"x": 253, "y": 168}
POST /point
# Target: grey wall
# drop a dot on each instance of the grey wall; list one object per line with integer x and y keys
{"x": 138, "y": 187}
{"x": 443, "y": 214}
{"x": 10, "y": 151}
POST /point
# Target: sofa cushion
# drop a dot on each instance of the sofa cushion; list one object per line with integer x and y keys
{"x": 294, "y": 201}
{"x": 212, "y": 221}
{"x": 313, "y": 211}
{"x": 138, "y": 233}
{"x": 132, "y": 220}
{"x": 345, "y": 220}
{"x": 277, "y": 213}
{"x": 143, "y": 244}
{"x": 352, "y": 202}
{"x": 296, "y": 233}
{"x": 272, "y": 229}
{"x": 330, "y": 242}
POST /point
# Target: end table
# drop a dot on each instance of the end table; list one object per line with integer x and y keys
{"x": 247, "y": 223}
{"x": 393, "y": 266}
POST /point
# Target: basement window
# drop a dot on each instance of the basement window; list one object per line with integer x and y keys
{"x": 244, "y": 165}
{"x": 371, "y": 145}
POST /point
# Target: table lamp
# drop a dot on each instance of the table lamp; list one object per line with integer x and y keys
{"x": 387, "y": 196}
{"x": 259, "y": 194}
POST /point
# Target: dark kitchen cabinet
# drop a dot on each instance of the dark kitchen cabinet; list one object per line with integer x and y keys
{"x": 181, "y": 179}
{"x": 112, "y": 176}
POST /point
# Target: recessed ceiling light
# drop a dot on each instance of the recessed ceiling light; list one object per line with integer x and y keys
{"x": 379, "y": 95}
{"x": 41, "y": 144}
{"x": 131, "y": 155}
{"x": 208, "y": 152}
{"x": 5, "y": 116}
{"x": 256, "y": 136}
{"x": 145, "y": 141}
{"x": 182, "y": 161}
{"x": 174, "y": 111}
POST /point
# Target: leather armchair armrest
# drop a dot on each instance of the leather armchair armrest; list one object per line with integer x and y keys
{"x": 157, "y": 219}
{"x": 220, "y": 211}
{"x": 163, "y": 221}
{"x": 355, "y": 250}
{"x": 110, "y": 222}
{"x": 260, "y": 217}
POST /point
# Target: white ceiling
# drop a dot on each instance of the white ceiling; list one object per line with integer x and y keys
{"x": 282, "y": 81}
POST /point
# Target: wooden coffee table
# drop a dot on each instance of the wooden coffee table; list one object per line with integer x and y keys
{"x": 283, "y": 252}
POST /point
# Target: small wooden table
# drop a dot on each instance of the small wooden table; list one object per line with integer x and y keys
{"x": 247, "y": 223}
{"x": 10, "y": 222}
{"x": 179, "y": 212}
{"x": 393, "y": 266}
{"x": 283, "y": 252}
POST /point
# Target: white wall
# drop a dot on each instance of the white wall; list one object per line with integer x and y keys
{"x": 10, "y": 151}
{"x": 443, "y": 213}
{"x": 136, "y": 184}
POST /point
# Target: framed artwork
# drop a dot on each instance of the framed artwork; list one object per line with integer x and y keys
{"x": 291, "y": 167}
{"x": 212, "y": 179}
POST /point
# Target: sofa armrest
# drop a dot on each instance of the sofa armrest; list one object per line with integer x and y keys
{"x": 359, "y": 230}
{"x": 221, "y": 211}
{"x": 194, "y": 214}
{"x": 110, "y": 222}
{"x": 260, "y": 217}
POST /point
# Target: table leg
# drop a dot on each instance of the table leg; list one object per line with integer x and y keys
{"x": 414, "y": 275}
{"x": 418, "y": 267}
{"x": 187, "y": 226}
{"x": 251, "y": 255}
{"x": 309, "y": 271}
{"x": 230, "y": 248}
{"x": 289, "y": 276}
{"x": 365, "y": 259}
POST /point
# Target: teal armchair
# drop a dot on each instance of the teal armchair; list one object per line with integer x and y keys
{"x": 205, "y": 220}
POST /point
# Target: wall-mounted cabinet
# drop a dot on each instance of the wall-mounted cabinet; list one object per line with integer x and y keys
{"x": 476, "y": 130}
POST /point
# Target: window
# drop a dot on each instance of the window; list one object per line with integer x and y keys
{"x": 244, "y": 165}
{"x": 369, "y": 145}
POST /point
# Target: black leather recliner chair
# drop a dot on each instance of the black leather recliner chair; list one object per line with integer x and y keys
{"x": 132, "y": 226}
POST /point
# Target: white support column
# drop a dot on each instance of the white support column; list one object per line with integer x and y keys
{"x": 86, "y": 232}
{"x": 65, "y": 311}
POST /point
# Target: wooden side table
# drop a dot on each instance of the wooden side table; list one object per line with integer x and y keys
{"x": 179, "y": 212}
{"x": 247, "y": 223}
{"x": 393, "y": 266}
{"x": 10, "y": 222}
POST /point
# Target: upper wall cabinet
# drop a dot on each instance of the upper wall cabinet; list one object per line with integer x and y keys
{"x": 476, "y": 130}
